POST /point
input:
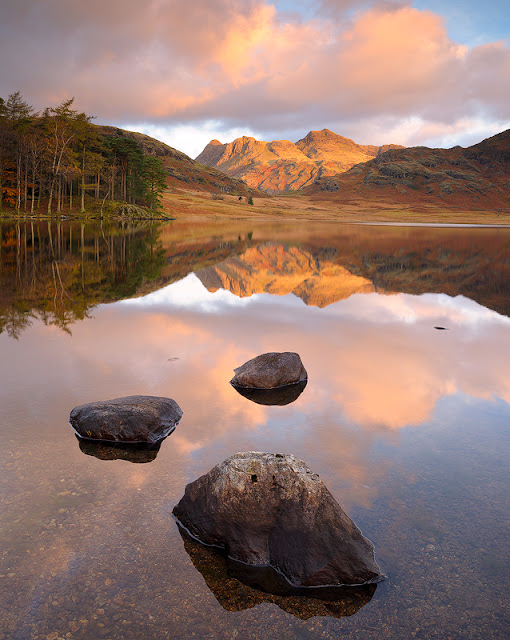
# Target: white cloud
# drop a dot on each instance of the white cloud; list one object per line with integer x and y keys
{"x": 189, "y": 138}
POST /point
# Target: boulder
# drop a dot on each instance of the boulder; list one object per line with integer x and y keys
{"x": 270, "y": 370}
{"x": 130, "y": 419}
{"x": 269, "y": 509}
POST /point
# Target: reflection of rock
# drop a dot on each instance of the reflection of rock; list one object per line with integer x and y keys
{"x": 130, "y": 419}
{"x": 270, "y": 509}
{"x": 132, "y": 452}
{"x": 234, "y": 585}
{"x": 279, "y": 396}
{"x": 270, "y": 370}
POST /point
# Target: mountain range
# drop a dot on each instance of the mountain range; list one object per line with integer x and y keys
{"x": 286, "y": 166}
{"x": 336, "y": 172}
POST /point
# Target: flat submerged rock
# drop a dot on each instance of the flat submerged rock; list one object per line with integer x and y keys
{"x": 269, "y": 509}
{"x": 132, "y": 419}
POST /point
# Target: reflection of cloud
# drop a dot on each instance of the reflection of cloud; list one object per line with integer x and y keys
{"x": 409, "y": 309}
{"x": 188, "y": 292}
{"x": 375, "y": 365}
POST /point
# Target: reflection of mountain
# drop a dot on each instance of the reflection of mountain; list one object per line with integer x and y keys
{"x": 473, "y": 263}
{"x": 59, "y": 270}
{"x": 233, "y": 595}
{"x": 281, "y": 270}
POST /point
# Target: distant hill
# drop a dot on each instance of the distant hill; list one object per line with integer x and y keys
{"x": 181, "y": 169}
{"x": 476, "y": 177}
{"x": 284, "y": 166}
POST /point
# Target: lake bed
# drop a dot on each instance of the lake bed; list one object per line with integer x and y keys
{"x": 405, "y": 334}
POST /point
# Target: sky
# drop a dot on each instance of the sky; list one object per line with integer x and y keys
{"x": 411, "y": 72}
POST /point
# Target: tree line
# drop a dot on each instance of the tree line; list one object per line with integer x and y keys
{"x": 53, "y": 160}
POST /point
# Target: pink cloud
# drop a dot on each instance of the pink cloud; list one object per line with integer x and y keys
{"x": 244, "y": 64}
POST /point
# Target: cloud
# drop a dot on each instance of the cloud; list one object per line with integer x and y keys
{"x": 244, "y": 64}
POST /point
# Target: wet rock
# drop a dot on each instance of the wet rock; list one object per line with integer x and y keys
{"x": 279, "y": 396}
{"x": 237, "y": 586}
{"x": 136, "y": 452}
{"x": 269, "y": 509}
{"x": 131, "y": 419}
{"x": 270, "y": 370}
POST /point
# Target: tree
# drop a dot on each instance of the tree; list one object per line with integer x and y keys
{"x": 3, "y": 139}
{"x": 36, "y": 145}
{"x": 63, "y": 125}
{"x": 128, "y": 156}
{"x": 154, "y": 180}
{"x": 19, "y": 115}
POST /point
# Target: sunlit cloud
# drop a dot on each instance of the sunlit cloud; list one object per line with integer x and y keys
{"x": 257, "y": 68}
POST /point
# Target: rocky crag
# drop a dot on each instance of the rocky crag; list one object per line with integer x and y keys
{"x": 281, "y": 165}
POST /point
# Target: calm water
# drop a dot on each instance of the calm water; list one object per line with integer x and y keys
{"x": 408, "y": 425}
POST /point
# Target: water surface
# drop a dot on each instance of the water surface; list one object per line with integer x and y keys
{"x": 407, "y": 424}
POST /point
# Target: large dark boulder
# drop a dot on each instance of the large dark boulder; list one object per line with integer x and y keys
{"x": 270, "y": 370}
{"x": 130, "y": 419}
{"x": 269, "y": 509}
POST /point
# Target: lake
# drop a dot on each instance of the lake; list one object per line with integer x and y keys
{"x": 405, "y": 334}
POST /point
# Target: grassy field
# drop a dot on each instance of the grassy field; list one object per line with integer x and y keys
{"x": 195, "y": 206}
{"x": 199, "y": 205}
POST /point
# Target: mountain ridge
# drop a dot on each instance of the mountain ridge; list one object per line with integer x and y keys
{"x": 473, "y": 177}
{"x": 281, "y": 165}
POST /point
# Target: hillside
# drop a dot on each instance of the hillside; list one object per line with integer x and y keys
{"x": 476, "y": 177}
{"x": 181, "y": 169}
{"x": 281, "y": 165}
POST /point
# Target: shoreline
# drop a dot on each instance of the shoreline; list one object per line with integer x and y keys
{"x": 200, "y": 206}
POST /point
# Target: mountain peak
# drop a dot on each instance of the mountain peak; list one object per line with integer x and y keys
{"x": 281, "y": 165}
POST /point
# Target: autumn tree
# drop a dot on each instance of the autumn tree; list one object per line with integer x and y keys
{"x": 3, "y": 138}
{"x": 63, "y": 125}
{"x": 19, "y": 115}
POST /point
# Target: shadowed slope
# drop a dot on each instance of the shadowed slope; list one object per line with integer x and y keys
{"x": 477, "y": 177}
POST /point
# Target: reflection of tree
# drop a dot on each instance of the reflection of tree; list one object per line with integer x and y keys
{"x": 57, "y": 271}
